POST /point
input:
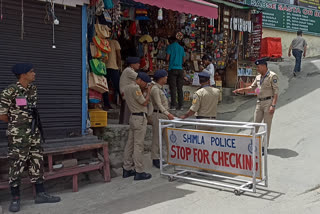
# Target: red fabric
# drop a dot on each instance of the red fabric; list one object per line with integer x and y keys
{"x": 195, "y": 7}
{"x": 271, "y": 47}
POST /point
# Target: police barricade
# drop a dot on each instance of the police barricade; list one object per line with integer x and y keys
{"x": 196, "y": 154}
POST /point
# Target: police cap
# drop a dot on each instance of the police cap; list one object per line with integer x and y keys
{"x": 159, "y": 74}
{"x": 144, "y": 77}
{"x": 133, "y": 60}
{"x": 204, "y": 74}
{"x": 262, "y": 61}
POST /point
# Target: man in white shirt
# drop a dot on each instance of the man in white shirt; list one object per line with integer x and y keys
{"x": 209, "y": 68}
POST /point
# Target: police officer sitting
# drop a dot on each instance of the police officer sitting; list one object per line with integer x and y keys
{"x": 137, "y": 103}
{"x": 24, "y": 148}
{"x": 205, "y": 101}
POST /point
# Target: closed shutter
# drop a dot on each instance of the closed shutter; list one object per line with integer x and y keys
{"x": 58, "y": 71}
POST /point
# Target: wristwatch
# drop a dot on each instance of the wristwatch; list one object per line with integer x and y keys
{"x": 273, "y": 106}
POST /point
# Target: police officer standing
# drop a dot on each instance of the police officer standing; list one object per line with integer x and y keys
{"x": 160, "y": 103}
{"x": 266, "y": 87}
{"x": 128, "y": 76}
{"x": 24, "y": 148}
{"x": 205, "y": 101}
{"x": 137, "y": 103}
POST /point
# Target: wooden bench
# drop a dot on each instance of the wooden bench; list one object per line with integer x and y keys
{"x": 58, "y": 149}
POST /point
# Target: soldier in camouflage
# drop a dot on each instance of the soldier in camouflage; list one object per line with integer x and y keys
{"x": 24, "y": 148}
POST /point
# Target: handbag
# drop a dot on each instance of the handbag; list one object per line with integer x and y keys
{"x": 98, "y": 67}
{"x": 97, "y": 53}
{"x": 94, "y": 96}
{"x": 98, "y": 83}
{"x": 102, "y": 44}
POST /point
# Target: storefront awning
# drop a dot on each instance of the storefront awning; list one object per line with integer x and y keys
{"x": 195, "y": 7}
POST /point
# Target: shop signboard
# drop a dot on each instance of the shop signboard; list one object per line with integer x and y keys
{"x": 220, "y": 152}
{"x": 288, "y": 17}
{"x": 314, "y": 4}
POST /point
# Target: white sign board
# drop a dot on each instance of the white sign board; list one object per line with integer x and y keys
{"x": 227, "y": 153}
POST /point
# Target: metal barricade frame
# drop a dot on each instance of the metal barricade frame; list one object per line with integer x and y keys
{"x": 247, "y": 185}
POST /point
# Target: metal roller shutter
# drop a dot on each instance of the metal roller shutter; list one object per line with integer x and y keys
{"x": 58, "y": 71}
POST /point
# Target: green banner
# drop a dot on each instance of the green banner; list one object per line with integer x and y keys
{"x": 288, "y": 17}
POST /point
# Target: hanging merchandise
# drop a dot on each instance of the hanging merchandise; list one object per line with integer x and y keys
{"x": 103, "y": 31}
{"x": 133, "y": 28}
{"x": 108, "y": 4}
{"x": 160, "y": 14}
{"x": 142, "y": 14}
{"x": 99, "y": 7}
{"x": 145, "y": 38}
{"x": 94, "y": 96}
{"x": 97, "y": 53}
{"x": 102, "y": 44}
{"x": 98, "y": 83}
{"x": 98, "y": 67}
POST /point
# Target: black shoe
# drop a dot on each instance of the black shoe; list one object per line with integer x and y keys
{"x": 294, "y": 74}
{"x": 142, "y": 176}
{"x": 44, "y": 197}
{"x": 156, "y": 163}
{"x": 15, "y": 205}
{"x": 128, "y": 173}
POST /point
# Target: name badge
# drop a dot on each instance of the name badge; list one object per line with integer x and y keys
{"x": 21, "y": 101}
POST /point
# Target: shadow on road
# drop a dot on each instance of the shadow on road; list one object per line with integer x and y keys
{"x": 283, "y": 153}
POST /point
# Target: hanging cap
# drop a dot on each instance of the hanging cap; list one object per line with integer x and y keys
{"x": 144, "y": 77}
{"x": 261, "y": 62}
{"x": 159, "y": 74}
{"x": 133, "y": 60}
{"x": 22, "y": 68}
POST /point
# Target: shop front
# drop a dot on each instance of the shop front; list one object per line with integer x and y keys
{"x": 50, "y": 36}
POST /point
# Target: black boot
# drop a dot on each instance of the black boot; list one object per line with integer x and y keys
{"x": 156, "y": 163}
{"x": 15, "y": 202}
{"x": 142, "y": 176}
{"x": 43, "y": 197}
{"x": 128, "y": 173}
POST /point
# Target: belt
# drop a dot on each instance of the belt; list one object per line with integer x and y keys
{"x": 201, "y": 117}
{"x": 140, "y": 114}
{"x": 157, "y": 111}
{"x": 265, "y": 98}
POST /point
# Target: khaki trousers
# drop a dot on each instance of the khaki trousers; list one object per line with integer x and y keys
{"x": 133, "y": 152}
{"x": 155, "y": 151}
{"x": 262, "y": 114}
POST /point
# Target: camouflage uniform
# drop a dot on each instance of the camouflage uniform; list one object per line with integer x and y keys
{"x": 24, "y": 147}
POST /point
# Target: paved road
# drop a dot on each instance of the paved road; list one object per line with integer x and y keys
{"x": 294, "y": 185}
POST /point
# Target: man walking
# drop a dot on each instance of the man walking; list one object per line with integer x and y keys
{"x": 176, "y": 58}
{"x": 267, "y": 89}
{"x": 17, "y": 102}
{"x": 298, "y": 46}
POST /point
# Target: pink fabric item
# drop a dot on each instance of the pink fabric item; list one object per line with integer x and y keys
{"x": 195, "y": 7}
{"x": 21, "y": 101}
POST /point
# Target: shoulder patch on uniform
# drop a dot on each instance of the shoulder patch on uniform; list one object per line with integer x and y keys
{"x": 138, "y": 93}
{"x": 275, "y": 80}
{"x": 194, "y": 101}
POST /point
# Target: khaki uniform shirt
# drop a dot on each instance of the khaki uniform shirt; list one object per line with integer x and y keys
{"x": 159, "y": 99}
{"x": 128, "y": 77}
{"x": 205, "y": 102}
{"x": 135, "y": 98}
{"x": 268, "y": 86}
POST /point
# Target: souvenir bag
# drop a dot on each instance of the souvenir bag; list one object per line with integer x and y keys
{"x": 98, "y": 67}
{"x": 97, "y": 53}
{"x": 98, "y": 83}
{"x": 94, "y": 96}
{"x": 108, "y": 4}
{"x": 102, "y": 44}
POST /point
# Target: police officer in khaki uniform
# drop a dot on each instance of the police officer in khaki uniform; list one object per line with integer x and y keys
{"x": 137, "y": 103}
{"x": 160, "y": 103}
{"x": 205, "y": 101}
{"x": 128, "y": 76}
{"x": 267, "y": 89}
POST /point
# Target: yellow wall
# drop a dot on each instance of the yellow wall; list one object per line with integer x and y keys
{"x": 287, "y": 37}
